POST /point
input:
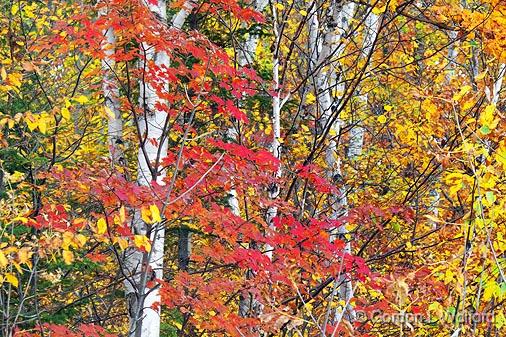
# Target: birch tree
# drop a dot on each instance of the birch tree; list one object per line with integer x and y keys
{"x": 110, "y": 89}
{"x": 144, "y": 301}
{"x": 339, "y": 16}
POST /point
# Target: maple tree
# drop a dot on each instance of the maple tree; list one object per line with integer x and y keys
{"x": 252, "y": 168}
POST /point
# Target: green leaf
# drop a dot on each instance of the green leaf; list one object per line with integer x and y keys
{"x": 485, "y": 130}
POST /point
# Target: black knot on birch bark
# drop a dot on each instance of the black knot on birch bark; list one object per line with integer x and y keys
{"x": 320, "y": 126}
{"x": 132, "y": 300}
{"x": 337, "y": 178}
{"x": 273, "y": 189}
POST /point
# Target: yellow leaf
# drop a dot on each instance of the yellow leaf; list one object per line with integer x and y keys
{"x": 123, "y": 244}
{"x": 11, "y": 279}
{"x": 146, "y": 215}
{"x": 268, "y": 130}
{"x": 173, "y": 136}
{"x": 464, "y": 90}
{"x": 28, "y": 10}
{"x": 467, "y": 105}
{"x": 41, "y": 124}
{"x": 32, "y": 125}
{"x": 382, "y": 119}
{"x": 499, "y": 320}
{"x": 101, "y": 226}
{"x": 481, "y": 75}
{"x": 387, "y": 107}
{"x": 308, "y": 306}
{"x": 142, "y": 242}
{"x": 431, "y": 110}
{"x": 155, "y": 213}
{"x": 436, "y": 308}
{"x": 67, "y": 239}
{"x": 17, "y": 266}
{"x": 15, "y": 79}
{"x": 303, "y": 12}
{"x": 81, "y": 239}
{"x": 3, "y": 260}
{"x": 81, "y": 99}
{"x": 68, "y": 256}
{"x": 176, "y": 324}
{"x": 500, "y": 155}
{"x": 487, "y": 117}
{"x": 448, "y": 276}
{"x": 379, "y": 10}
{"x": 65, "y": 113}
{"x": 3, "y": 73}
{"x": 15, "y": 177}
{"x": 310, "y": 98}
{"x": 280, "y": 6}
{"x": 122, "y": 214}
{"x": 14, "y": 9}
{"x": 393, "y": 5}
{"x": 491, "y": 290}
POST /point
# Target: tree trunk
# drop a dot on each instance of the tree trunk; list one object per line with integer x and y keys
{"x": 110, "y": 90}
{"x": 339, "y": 16}
{"x": 143, "y": 267}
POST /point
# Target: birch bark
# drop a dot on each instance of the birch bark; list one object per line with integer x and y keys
{"x": 354, "y": 150}
{"x": 142, "y": 267}
{"x": 337, "y": 23}
{"x": 357, "y": 131}
{"x": 110, "y": 90}
{"x": 277, "y": 104}
{"x": 497, "y": 86}
{"x": 331, "y": 47}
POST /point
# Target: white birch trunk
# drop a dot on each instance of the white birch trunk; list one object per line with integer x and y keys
{"x": 357, "y": 131}
{"x": 496, "y": 88}
{"x": 110, "y": 90}
{"x": 336, "y": 26}
{"x": 246, "y": 54}
{"x": 354, "y": 150}
{"x": 251, "y": 304}
{"x": 143, "y": 267}
{"x": 339, "y": 17}
{"x": 277, "y": 103}
{"x": 179, "y": 19}
{"x": 272, "y": 211}
{"x": 452, "y": 56}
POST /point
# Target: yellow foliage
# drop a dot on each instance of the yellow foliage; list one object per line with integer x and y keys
{"x": 101, "y": 226}
{"x": 142, "y": 242}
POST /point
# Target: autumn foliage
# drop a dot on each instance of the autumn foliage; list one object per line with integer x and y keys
{"x": 301, "y": 168}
